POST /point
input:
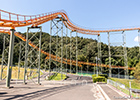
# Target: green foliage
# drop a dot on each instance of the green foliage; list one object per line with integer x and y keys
{"x": 87, "y": 51}
{"x": 104, "y": 75}
{"x": 99, "y": 79}
{"x": 135, "y": 84}
{"x": 137, "y": 71}
{"x": 57, "y": 76}
{"x": 52, "y": 76}
{"x": 93, "y": 76}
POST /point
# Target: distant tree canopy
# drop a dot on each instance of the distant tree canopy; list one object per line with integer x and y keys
{"x": 137, "y": 71}
{"x": 87, "y": 50}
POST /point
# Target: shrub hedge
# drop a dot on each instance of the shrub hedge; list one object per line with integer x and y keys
{"x": 52, "y": 76}
{"x": 99, "y": 78}
{"x": 104, "y": 75}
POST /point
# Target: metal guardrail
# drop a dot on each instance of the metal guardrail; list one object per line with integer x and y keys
{"x": 128, "y": 90}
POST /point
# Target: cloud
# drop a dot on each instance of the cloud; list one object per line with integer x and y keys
{"x": 137, "y": 39}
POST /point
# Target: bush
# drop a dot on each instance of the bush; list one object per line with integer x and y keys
{"x": 52, "y": 76}
{"x": 104, "y": 75}
{"x": 94, "y": 75}
{"x": 57, "y": 76}
{"x": 137, "y": 71}
{"x": 99, "y": 79}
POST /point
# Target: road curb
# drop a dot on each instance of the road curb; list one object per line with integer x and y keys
{"x": 104, "y": 94}
{"x": 118, "y": 91}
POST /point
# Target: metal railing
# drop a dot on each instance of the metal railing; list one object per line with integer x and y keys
{"x": 91, "y": 73}
{"x": 133, "y": 93}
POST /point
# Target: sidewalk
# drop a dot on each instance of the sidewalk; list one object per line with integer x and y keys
{"x": 113, "y": 94}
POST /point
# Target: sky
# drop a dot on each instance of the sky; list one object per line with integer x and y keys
{"x": 92, "y": 14}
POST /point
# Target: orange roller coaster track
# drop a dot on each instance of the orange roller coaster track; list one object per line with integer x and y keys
{"x": 58, "y": 59}
{"x": 8, "y": 19}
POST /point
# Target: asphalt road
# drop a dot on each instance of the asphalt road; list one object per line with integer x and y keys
{"x": 70, "y": 89}
{"x": 81, "y": 92}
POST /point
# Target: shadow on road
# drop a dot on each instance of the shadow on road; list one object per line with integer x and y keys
{"x": 45, "y": 93}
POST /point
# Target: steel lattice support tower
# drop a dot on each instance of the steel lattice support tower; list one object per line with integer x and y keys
{"x": 73, "y": 50}
{"x": 32, "y": 55}
{"x": 120, "y": 52}
{"x": 4, "y": 55}
{"x": 21, "y": 56}
{"x": 125, "y": 55}
{"x": 57, "y": 33}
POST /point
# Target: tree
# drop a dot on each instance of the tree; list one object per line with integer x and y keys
{"x": 137, "y": 71}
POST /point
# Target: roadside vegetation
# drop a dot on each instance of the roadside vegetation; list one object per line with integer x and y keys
{"x": 99, "y": 78}
{"x": 135, "y": 84}
{"x": 57, "y": 76}
{"x": 87, "y": 52}
{"x": 31, "y": 75}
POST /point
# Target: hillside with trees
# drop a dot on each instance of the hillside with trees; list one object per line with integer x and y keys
{"x": 87, "y": 51}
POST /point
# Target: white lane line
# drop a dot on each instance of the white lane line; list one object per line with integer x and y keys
{"x": 97, "y": 93}
{"x": 104, "y": 94}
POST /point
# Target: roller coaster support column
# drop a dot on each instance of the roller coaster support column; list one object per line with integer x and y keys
{"x": 10, "y": 58}
{"x": 45, "y": 65}
{"x": 50, "y": 47}
{"x": 125, "y": 55}
{"x": 19, "y": 60}
{"x": 81, "y": 70}
{"x": 99, "y": 52}
{"x": 76, "y": 55}
{"x": 118, "y": 73}
{"x": 26, "y": 56}
{"x": 70, "y": 50}
{"x": 109, "y": 55}
{"x": 2, "y": 57}
{"x": 39, "y": 55}
{"x": 61, "y": 51}
{"x": 96, "y": 66}
{"x": 139, "y": 39}
{"x": 66, "y": 48}
{"x": 57, "y": 68}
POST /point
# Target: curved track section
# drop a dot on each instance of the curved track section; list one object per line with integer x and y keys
{"x": 13, "y": 20}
